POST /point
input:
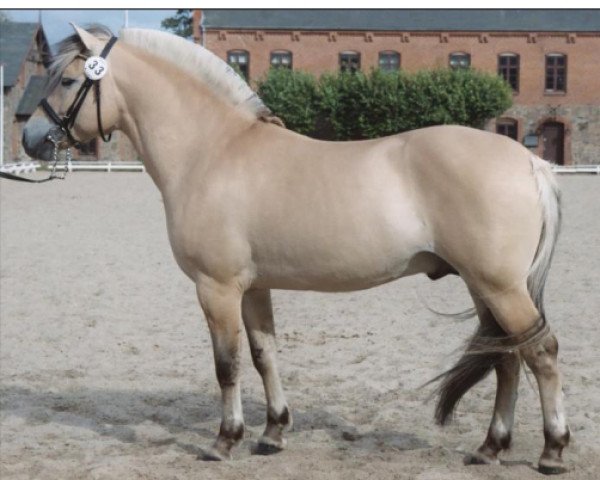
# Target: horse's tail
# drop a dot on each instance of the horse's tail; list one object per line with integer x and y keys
{"x": 490, "y": 344}
{"x": 549, "y": 195}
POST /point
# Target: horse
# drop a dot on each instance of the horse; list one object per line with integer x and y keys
{"x": 251, "y": 206}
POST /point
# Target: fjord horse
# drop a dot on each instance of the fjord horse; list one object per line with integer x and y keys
{"x": 251, "y": 207}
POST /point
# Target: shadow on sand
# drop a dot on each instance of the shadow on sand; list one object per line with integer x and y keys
{"x": 116, "y": 413}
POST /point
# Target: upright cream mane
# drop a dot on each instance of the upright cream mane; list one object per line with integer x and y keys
{"x": 199, "y": 62}
{"x": 192, "y": 58}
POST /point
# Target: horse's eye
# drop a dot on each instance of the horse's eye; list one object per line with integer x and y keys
{"x": 67, "y": 82}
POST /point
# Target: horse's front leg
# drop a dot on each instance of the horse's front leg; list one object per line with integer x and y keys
{"x": 222, "y": 307}
{"x": 257, "y": 313}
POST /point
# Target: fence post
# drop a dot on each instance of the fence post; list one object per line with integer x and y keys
{"x": 2, "y": 115}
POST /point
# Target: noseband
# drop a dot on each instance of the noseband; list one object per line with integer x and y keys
{"x": 65, "y": 124}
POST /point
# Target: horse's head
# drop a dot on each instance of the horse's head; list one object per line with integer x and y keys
{"x": 80, "y": 102}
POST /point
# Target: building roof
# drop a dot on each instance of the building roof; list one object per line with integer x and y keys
{"x": 406, "y": 20}
{"x": 16, "y": 39}
{"x": 34, "y": 92}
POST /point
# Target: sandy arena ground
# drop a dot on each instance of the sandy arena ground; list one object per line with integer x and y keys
{"x": 107, "y": 371}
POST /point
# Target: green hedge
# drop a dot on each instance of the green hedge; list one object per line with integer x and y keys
{"x": 345, "y": 106}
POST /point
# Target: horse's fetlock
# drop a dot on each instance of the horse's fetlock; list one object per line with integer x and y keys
{"x": 557, "y": 440}
{"x": 232, "y": 432}
{"x": 281, "y": 417}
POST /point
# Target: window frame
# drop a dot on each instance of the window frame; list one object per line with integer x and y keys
{"x": 555, "y": 75}
{"x": 456, "y": 54}
{"x": 280, "y": 54}
{"x": 508, "y": 122}
{"x": 389, "y": 53}
{"x": 348, "y": 53}
{"x": 237, "y": 52}
{"x": 504, "y": 71}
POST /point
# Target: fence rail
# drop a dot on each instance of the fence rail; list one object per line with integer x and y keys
{"x": 73, "y": 166}
{"x": 576, "y": 169}
{"x": 93, "y": 166}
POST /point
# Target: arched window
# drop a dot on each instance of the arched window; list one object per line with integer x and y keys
{"x": 556, "y": 72}
{"x": 349, "y": 61}
{"x": 508, "y": 127}
{"x": 508, "y": 69}
{"x": 389, "y": 60}
{"x": 281, "y": 59}
{"x": 460, "y": 60}
{"x": 240, "y": 59}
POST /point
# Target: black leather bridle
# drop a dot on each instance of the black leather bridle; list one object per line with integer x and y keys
{"x": 65, "y": 124}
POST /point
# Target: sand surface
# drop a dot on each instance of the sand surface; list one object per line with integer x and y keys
{"x": 107, "y": 372}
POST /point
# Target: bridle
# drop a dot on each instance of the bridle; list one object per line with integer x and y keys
{"x": 65, "y": 124}
{"x": 95, "y": 68}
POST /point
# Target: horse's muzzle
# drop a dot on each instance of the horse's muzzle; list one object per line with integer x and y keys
{"x": 35, "y": 139}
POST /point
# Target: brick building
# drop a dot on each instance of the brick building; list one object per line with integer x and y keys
{"x": 25, "y": 54}
{"x": 550, "y": 58}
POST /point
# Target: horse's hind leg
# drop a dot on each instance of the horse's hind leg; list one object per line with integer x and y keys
{"x": 222, "y": 307}
{"x": 516, "y": 314}
{"x": 507, "y": 374}
{"x": 542, "y": 359}
{"x": 257, "y": 313}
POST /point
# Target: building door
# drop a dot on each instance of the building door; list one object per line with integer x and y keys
{"x": 553, "y": 142}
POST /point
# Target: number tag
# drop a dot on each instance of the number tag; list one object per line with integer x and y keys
{"x": 95, "y": 68}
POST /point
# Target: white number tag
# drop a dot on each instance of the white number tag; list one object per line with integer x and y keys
{"x": 95, "y": 68}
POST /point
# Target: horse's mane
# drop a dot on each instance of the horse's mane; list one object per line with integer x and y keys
{"x": 192, "y": 58}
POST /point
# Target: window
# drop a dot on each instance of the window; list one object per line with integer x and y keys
{"x": 508, "y": 127}
{"x": 240, "y": 60}
{"x": 281, "y": 59}
{"x": 349, "y": 62}
{"x": 508, "y": 69}
{"x": 556, "y": 72}
{"x": 460, "y": 60}
{"x": 389, "y": 61}
{"x": 88, "y": 149}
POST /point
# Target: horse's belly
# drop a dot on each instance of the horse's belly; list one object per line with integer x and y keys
{"x": 330, "y": 280}
{"x": 353, "y": 261}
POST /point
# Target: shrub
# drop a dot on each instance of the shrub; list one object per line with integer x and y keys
{"x": 292, "y": 96}
{"x": 346, "y": 106}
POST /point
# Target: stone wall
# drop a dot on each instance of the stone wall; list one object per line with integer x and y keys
{"x": 582, "y": 128}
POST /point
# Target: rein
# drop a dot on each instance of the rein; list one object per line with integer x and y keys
{"x": 95, "y": 69}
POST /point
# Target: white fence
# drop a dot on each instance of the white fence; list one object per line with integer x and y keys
{"x": 576, "y": 169}
{"x": 18, "y": 168}
{"x": 73, "y": 166}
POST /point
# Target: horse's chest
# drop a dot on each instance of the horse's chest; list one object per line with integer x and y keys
{"x": 206, "y": 245}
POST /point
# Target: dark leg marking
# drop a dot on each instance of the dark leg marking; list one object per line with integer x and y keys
{"x": 282, "y": 418}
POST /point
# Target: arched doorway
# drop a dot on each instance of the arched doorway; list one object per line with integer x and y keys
{"x": 553, "y": 142}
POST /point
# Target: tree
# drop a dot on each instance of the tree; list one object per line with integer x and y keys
{"x": 179, "y": 24}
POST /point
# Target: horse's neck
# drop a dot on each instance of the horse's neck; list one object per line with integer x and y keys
{"x": 173, "y": 121}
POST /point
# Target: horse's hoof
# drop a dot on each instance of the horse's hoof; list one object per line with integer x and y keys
{"x": 214, "y": 455}
{"x": 551, "y": 469}
{"x": 268, "y": 446}
{"x": 479, "y": 458}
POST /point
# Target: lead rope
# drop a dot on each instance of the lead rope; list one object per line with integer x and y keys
{"x": 55, "y": 158}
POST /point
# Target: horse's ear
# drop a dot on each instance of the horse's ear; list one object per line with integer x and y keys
{"x": 90, "y": 42}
